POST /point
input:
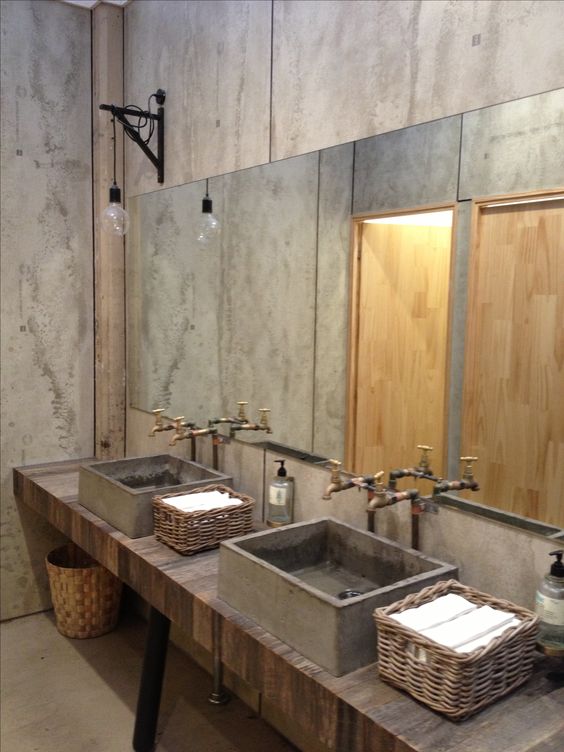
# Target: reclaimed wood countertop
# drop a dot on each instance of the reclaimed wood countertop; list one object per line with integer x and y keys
{"x": 352, "y": 713}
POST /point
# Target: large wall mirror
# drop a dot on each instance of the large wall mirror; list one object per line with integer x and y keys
{"x": 263, "y": 313}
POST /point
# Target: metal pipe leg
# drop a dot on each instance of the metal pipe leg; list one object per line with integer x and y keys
{"x": 218, "y": 695}
{"x": 151, "y": 684}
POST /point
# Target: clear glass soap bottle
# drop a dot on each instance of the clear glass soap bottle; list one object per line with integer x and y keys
{"x": 550, "y": 608}
{"x": 280, "y": 500}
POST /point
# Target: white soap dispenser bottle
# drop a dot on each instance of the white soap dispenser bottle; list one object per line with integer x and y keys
{"x": 550, "y": 608}
{"x": 280, "y": 498}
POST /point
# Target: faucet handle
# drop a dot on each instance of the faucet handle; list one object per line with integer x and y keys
{"x": 178, "y": 423}
{"x": 158, "y": 413}
{"x": 468, "y": 472}
{"x": 241, "y": 414}
{"x": 378, "y": 480}
{"x": 424, "y": 461}
{"x": 263, "y": 422}
{"x": 335, "y": 467}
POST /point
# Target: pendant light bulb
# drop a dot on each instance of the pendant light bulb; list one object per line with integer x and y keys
{"x": 209, "y": 226}
{"x": 115, "y": 220}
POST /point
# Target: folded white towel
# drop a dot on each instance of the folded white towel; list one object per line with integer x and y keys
{"x": 469, "y": 627}
{"x": 436, "y": 612}
{"x": 204, "y": 501}
{"x": 481, "y": 642}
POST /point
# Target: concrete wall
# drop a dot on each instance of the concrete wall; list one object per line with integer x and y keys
{"x": 46, "y": 245}
{"x": 250, "y": 81}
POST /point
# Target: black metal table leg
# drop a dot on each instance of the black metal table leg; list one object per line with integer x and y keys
{"x": 150, "y": 688}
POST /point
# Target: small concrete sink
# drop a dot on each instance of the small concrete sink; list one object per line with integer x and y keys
{"x": 121, "y": 491}
{"x": 315, "y": 585}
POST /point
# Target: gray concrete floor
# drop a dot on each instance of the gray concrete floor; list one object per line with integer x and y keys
{"x": 63, "y": 695}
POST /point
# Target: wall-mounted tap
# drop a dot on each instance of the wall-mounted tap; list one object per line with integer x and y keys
{"x": 378, "y": 495}
{"x": 422, "y": 470}
{"x": 468, "y": 472}
{"x": 160, "y": 424}
{"x": 262, "y": 425}
{"x": 385, "y": 497}
{"x": 467, "y": 481}
{"x": 338, "y": 484}
{"x": 241, "y": 416}
{"x": 180, "y": 427}
{"x": 189, "y": 430}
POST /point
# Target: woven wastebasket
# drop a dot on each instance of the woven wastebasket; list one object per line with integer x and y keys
{"x": 85, "y": 595}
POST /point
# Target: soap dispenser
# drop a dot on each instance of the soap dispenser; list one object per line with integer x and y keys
{"x": 550, "y": 608}
{"x": 280, "y": 498}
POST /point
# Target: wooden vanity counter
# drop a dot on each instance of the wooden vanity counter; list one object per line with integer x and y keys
{"x": 353, "y": 713}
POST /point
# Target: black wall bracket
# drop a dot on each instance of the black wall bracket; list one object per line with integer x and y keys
{"x": 123, "y": 113}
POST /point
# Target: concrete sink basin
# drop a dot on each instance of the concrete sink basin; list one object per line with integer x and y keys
{"x": 121, "y": 491}
{"x": 315, "y": 585}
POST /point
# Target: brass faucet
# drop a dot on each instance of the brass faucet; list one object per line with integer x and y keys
{"x": 422, "y": 470}
{"x": 336, "y": 480}
{"x": 192, "y": 432}
{"x": 468, "y": 472}
{"x": 262, "y": 425}
{"x": 159, "y": 423}
{"x": 241, "y": 416}
{"x": 424, "y": 463}
{"x": 338, "y": 484}
{"x": 467, "y": 482}
{"x": 379, "y": 494}
{"x": 180, "y": 428}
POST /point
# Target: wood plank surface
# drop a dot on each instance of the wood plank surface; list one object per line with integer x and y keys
{"x": 109, "y": 250}
{"x": 513, "y": 403}
{"x": 401, "y": 360}
{"x": 353, "y": 713}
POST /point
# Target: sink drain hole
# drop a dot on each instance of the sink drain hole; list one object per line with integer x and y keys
{"x": 348, "y": 593}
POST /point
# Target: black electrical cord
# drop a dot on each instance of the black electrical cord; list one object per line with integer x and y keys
{"x": 114, "y": 127}
{"x": 143, "y": 119}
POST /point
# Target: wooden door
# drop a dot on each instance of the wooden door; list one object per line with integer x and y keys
{"x": 400, "y": 373}
{"x": 513, "y": 403}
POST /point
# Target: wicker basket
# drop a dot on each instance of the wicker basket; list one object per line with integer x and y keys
{"x": 85, "y": 595}
{"x": 190, "y": 532}
{"x": 456, "y": 684}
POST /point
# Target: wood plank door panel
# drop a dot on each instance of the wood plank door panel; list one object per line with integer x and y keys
{"x": 401, "y": 365}
{"x": 513, "y": 398}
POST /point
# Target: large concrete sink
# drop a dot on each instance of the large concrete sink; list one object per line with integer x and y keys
{"x": 121, "y": 491}
{"x": 289, "y": 581}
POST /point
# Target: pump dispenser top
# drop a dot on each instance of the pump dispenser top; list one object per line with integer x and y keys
{"x": 282, "y": 472}
{"x": 557, "y": 567}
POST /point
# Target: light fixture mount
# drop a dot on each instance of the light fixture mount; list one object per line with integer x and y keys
{"x": 144, "y": 117}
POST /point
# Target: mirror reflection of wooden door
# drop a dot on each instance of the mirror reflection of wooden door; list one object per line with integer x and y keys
{"x": 400, "y": 313}
{"x": 513, "y": 403}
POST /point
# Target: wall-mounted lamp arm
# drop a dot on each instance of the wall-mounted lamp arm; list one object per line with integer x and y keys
{"x": 122, "y": 113}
